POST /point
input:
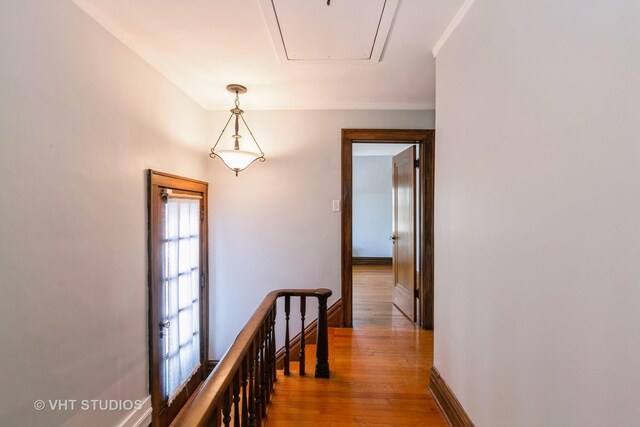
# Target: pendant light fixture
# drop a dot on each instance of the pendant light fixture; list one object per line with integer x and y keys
{"x": 237, "y": 159}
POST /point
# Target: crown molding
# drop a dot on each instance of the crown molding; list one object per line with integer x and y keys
{"x": 462, "y": 12}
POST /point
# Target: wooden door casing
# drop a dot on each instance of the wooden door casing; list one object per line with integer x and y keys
{"x": 425, "y": 140}
{"x": 163, "y": 413}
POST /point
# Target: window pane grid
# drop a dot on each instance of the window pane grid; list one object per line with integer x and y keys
{"x": 176, "y": 239}
{"x": 181, "y": 293}
{"x": 169, "y": 355}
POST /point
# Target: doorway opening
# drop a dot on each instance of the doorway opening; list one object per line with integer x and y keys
{"x": 385, "y": 230}
{"x": 413, "y": 164}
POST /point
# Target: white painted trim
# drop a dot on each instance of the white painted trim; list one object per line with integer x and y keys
{"x": 462, "y": 12}
{"x": 269, "y": 15}
{"x": 248, "y": 108}
{"x": 119, "y": 33}
{"x": 384, "y": 29}
{"x": 140, "y": 417}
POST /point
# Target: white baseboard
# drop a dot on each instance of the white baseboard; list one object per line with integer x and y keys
{"x": 140, "y": 417}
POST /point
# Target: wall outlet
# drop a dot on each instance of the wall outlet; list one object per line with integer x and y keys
{"x": 336, "y": 205}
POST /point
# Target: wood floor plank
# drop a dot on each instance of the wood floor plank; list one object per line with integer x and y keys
{"x": 379, "y": 369}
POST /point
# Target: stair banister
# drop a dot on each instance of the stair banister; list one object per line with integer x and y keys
{"x": 245, "y": 376}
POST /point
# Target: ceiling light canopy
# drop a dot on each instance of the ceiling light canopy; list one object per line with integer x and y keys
{"x": 237, "y": 159}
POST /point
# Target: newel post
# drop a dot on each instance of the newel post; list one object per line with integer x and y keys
{"x": 322, "y": 340}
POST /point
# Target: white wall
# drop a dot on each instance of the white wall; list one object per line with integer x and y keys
{"x": 537, "y": 283}
{"x": 272, "y": 226}
{"x": 82, "y": 117}
{"x": 372, "y": 206}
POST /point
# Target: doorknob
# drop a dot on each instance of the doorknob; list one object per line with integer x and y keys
{"x": 163, "y": 325}
{"x": 392, "y": 238}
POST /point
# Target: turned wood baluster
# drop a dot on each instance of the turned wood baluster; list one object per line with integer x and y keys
{"x": 252, "y": 399}
{"x": 236, "y": 398}
{"x": 274, "y": 375}
{"x": 263, "y": 370}
{"x": 322, "y": 341}
{"x": 258, "y": 375}
{"x": 213, "y": 421}
{"x": 226, "y": 408}
{"x": 303, "y": 310}
{"x": 287, "y": 310}
{"x": 245, "y": 409}
{"x": 267, "y": 358}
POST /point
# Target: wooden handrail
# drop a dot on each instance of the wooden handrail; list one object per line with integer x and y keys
{"x": 205, "y": 404}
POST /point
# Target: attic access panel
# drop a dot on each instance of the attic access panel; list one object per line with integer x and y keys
{"x": 346, "y": 30}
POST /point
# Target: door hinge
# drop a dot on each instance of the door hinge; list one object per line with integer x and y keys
{"x": 416, "y": 163}
{"x": 416, "y": 293}
{"x": 201, "y": 213}
{"x": 202, "y": 280}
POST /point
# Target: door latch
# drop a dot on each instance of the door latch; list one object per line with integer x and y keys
{"x": 164, "y": 325}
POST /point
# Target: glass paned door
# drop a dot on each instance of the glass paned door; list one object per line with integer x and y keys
{"x": 178, "y": 293}
{"x": 181, "y": 290}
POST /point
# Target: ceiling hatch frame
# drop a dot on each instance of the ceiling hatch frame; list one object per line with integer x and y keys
{"x": 277, "y": 39}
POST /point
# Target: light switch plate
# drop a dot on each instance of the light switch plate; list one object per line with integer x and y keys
{"x": 336, "y": 205}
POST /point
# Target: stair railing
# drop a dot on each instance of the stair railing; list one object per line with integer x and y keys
{"x": 240, "y": 387}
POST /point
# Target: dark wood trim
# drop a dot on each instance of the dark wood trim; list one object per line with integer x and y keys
{"x": 372, "y": 261}
{"x": 427, "y": 202}
{"x": 425, "y": 138}
{"x": 334, "y": 320}
{"x": 449, "y": 404}
{"x": 347, "y": 231}
{"x": 162, "y": 413}
{"x": 211, "y": 365}
{"x": 167, "y": 180}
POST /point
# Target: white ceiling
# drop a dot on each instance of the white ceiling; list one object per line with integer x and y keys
{"x": 203, "y": 45}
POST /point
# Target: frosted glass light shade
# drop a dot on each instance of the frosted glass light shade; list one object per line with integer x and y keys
{"x": 237, "y": 160}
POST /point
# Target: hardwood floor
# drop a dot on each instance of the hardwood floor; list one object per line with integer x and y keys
{"x": 379, "y": 369}
{"x": 372, "y": 299}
